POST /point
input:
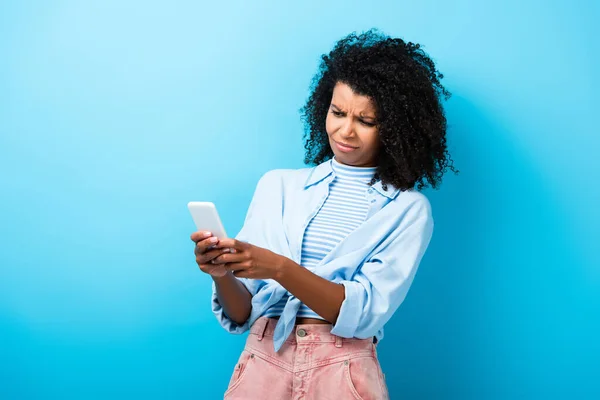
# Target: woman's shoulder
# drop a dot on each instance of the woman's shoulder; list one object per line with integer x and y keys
{"x": 413, "y": 202}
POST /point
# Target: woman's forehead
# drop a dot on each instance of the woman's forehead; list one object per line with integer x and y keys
{"x": 344, "y": 96}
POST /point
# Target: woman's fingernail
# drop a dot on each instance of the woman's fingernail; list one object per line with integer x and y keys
{"x": 206, "y": 234}
{"x": 214, "y": 239}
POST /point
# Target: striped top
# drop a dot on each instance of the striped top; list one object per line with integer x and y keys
{"x": 343, "y": 211}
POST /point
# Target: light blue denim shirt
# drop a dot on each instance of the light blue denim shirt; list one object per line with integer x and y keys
{"x": 376, "y": 263}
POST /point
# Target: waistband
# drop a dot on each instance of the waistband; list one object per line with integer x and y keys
{"x": 302, "y": 333}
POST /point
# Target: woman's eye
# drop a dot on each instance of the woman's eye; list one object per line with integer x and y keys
{"x": 365, "y": 123}
{"x": 337, "y": 113}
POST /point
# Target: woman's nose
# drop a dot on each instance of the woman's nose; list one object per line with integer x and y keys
{"x": 346, "y": 130}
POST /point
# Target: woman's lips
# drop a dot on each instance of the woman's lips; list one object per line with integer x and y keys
{"x": 344, "y": 148}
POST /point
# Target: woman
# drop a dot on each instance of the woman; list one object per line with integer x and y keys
{"x": 327, "y": 254}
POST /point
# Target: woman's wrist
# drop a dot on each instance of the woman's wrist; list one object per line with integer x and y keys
{"x": 283, "y": 268}
{"x": 218, "y": 279}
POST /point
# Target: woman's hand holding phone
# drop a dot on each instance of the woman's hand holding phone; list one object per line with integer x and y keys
{"x": 205, "y": 253}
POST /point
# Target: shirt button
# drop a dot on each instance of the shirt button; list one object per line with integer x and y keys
{"x": 373, "y": 201}
{"x": 301, "y": 332}
{"x": 370, "y": 190}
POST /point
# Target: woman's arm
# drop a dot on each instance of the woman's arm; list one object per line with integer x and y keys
{"x": 234, "y": 297}
{"x": 320, "y": 295}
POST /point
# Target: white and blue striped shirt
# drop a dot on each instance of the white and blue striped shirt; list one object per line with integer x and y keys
{"x": 344, "y": 210}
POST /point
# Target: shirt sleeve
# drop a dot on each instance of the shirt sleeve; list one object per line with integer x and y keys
{"x": 380, "y": 285}
{"x": 253, "y": 285}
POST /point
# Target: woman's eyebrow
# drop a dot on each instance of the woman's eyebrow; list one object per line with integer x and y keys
{"x": 361, "y": 114}
{"x": 367, "y": 117}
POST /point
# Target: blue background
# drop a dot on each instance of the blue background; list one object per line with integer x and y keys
{"x": 115, "y": 114}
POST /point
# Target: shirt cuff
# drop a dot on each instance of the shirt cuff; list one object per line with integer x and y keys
{"x": 227, "y": 323}
{"x": 351, "y": 310}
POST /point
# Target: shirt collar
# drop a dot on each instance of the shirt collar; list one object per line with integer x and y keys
{"x": 319, "y": 173}
{"x": 323, "y": 170}
{"x": 391, "y": 191}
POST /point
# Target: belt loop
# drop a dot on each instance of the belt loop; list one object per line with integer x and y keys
{"x": 338, "y": 341}
{"x": 262, "y": 328}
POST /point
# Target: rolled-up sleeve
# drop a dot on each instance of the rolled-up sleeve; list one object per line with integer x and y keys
{"x": 226, "y": 322}
{"x": 380, "y": 285}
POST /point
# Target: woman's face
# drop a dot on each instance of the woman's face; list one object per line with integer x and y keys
{"x": 352, "y": 128}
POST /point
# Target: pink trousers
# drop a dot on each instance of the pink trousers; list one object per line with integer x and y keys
{"x": 313, "y": 364}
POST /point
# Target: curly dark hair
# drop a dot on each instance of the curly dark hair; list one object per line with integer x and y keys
{"x": 404, "y": 85}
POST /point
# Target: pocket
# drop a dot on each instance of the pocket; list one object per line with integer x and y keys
{"x": 239, "y": 371}
{"x": 365, "y": 378}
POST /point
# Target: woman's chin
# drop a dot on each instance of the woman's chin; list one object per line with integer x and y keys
{"x": 344, "y": 159}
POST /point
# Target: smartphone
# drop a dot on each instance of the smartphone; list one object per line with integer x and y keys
{"x": 206, "y": 218}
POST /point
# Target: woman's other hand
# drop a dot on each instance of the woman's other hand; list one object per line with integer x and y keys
{"x": 249, "y": 261}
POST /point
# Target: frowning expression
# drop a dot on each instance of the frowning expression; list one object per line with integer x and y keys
{"x": 351, "y": 125}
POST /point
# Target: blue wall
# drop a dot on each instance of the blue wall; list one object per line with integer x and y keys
{"x": 114, "y": 115}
